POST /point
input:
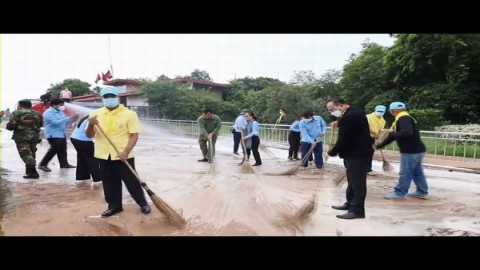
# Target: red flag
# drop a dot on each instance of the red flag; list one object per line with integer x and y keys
{"x": 104, "y": 78}
{"x": 108, "y": 75}
{"x": 98, "y": 78}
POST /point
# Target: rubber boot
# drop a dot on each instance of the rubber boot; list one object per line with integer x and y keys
{"x": 31, "y": 173}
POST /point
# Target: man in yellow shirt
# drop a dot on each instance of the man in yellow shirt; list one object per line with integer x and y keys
{"x": 122, "y": 126}
{"x": 376, "y": 124}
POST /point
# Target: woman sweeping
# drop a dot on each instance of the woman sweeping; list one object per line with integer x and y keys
{"x": 252, "y": 139}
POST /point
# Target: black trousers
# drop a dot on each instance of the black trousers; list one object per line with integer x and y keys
{"x": 87, "y": 164}
{"x": 113, "y": 172}
{"x": 294, "y": 142}
{"x": 357, "y": 183}
{"x": 58, "y": 146}
{"x": 237, "y": 136}
{"x": 254, "y": 149}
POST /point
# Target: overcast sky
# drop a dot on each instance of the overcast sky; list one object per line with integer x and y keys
{"x": 30, "y": 63}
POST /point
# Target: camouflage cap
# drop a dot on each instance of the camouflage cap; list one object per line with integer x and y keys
{"x": 25, "y": 101}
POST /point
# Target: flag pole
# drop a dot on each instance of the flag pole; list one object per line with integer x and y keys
{"x": 110, "y": 50}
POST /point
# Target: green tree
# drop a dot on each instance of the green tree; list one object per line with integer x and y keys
{"x": 327, "y": 85}
{"x": 439, "y": 71}
{"x": 200, "y": 75}
{"x": 363, "y": 77}
{"x": 76, "y": 86}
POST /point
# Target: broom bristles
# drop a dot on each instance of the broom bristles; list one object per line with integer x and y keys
{"x": 303, "y": 213}
{"x": 340, "y": 179}
{"x": 266, "y": 150}
{"x": 247, "y": 168}
{"x": 387, "y": 166}
{"x": 172, "y": 216}
{"x": 212, "y": 169}
{"x": 291, "y": 171}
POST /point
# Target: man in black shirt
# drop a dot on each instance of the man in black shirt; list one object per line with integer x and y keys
{"x": 354, "y": 145}
{"x": 412, "y": 150}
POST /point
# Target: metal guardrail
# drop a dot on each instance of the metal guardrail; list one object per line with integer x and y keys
{"x": 455, "y": 146}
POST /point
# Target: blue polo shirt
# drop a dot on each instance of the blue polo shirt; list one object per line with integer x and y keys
{"x": 55, "y": 123}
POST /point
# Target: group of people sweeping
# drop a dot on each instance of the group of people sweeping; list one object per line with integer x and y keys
{"x": 115, "y": 130}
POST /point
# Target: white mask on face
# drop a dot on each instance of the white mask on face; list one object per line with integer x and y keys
{"x": 61, "y": 108}
{"x": 379, "y": 114}
{"x": 337, "y": 113}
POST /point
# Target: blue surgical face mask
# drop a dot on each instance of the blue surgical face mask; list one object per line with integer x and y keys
{"x": 111, "y": 102}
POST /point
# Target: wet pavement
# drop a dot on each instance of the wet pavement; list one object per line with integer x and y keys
{"x": 218, "y": 199}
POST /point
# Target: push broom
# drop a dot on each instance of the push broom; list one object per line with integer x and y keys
{"x": 174, "y": 218}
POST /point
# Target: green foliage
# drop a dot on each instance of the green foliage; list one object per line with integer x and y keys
{"x": 255, "y": 84}
{"x": 76, "y": 86}
{"x": 142, "y": 79}
{"x": 427, "y": 119}
{"x": 363, "y": 76}
{"x": 200, "y": 75}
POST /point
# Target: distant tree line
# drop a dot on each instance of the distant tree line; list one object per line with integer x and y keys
{"x": 436, "y": 75}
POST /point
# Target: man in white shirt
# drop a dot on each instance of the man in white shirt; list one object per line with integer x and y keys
{"x": 238, "y": 127}
{"x": 66, "y": 95}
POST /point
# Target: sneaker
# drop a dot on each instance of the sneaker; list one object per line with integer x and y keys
{"x": 418, "y": 194}
{"x": 394, "y": 196}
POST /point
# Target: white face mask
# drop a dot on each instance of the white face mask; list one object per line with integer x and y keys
{"x": 61, "y": 108}
{"x": 336, "y": 113}
{"x": 379, "y": 114}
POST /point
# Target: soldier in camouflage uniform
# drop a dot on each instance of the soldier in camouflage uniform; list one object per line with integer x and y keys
{"x": 26, "y": 124}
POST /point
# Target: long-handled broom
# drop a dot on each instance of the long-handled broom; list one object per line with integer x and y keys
{"x": 295, "y": 168}
{"x": 386, "y": 166}
{"x": 246, "y": 166}
{"x": 311, "y": 205}
{"x": 212, "y": 169}
{"x": 175, "y": 218}
{"x": 266, "y": 150}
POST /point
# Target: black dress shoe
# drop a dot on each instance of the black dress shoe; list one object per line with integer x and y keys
{"x": 44, "y": 168}
{"x": 341, "y": 207}
{"x": 257, "y": 164}
{"x": 68, "y": 166}
{"x": 111, "y": 212}
{"x": 146, "y": 209}
{"x": 203, "y": 160}
{"x": 351, "y": 215}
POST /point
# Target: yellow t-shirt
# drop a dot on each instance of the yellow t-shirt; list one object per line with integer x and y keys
{"x": 118, "y": 125}
{"x": 375, "y": 123}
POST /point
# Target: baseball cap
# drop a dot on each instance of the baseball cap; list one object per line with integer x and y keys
{"x": 397, "y": 106}
{"x": 380, "y": 108}
{"x": 109, "y": 90}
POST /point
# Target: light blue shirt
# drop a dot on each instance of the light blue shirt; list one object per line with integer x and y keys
{"x": 240, "y": 123}
{"x": 55, "y": 123}
{"x": 311, "y": 130}
{"x": 295, "y": 126}
{"x": 254, "y": 130}
{"x": 79, "y": 133}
